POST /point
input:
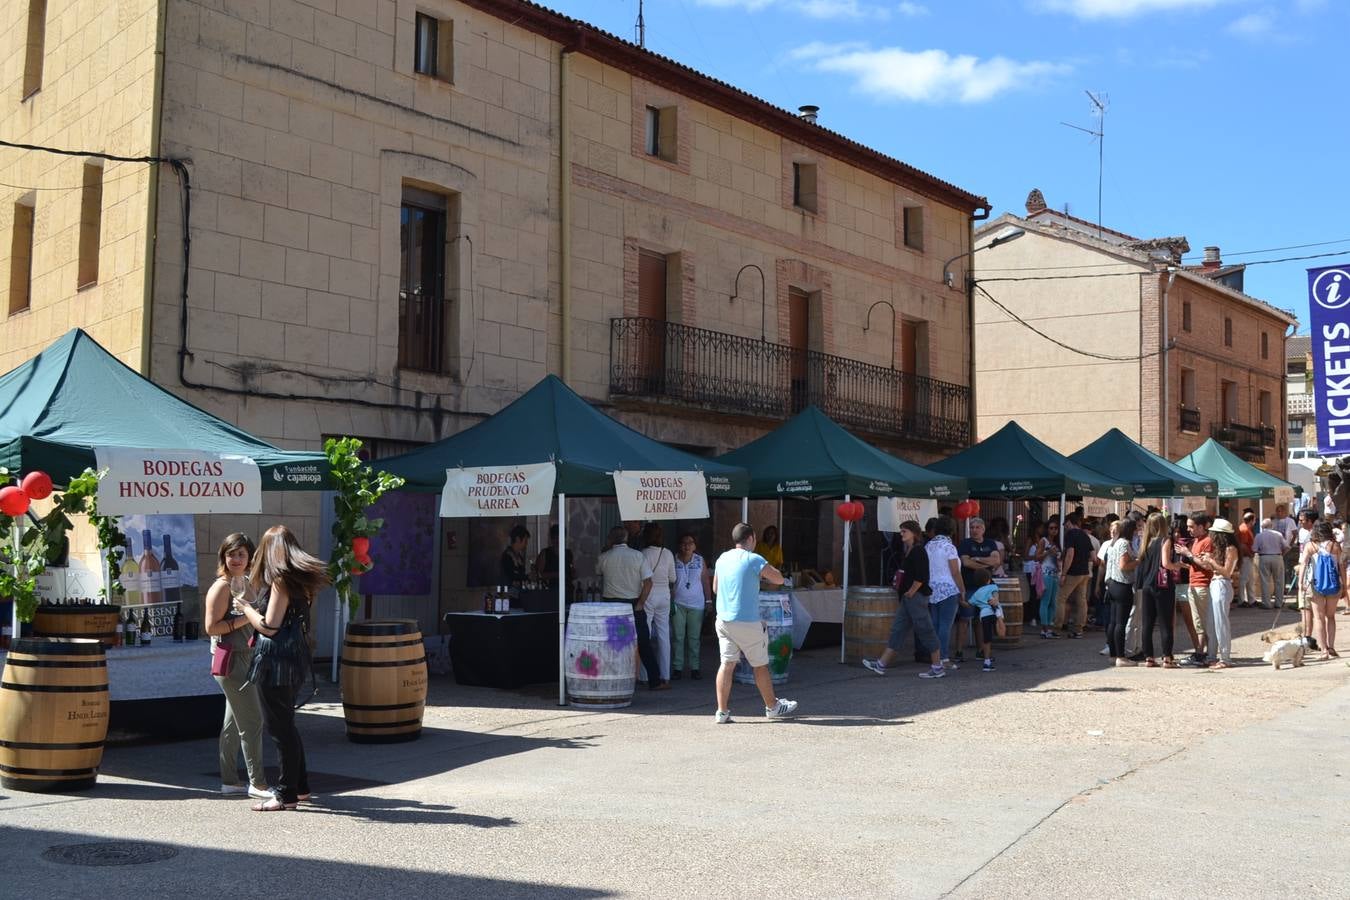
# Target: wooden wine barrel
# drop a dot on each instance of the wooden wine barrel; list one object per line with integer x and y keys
{"x": 53, "y": 714}
{"x": 1010, "y": 598}
{"x": 775, "y": 611}
{"x": 868, "y": 615}
{"x": 86, "y": 621}
{"x": 384, "y": 681}
{"x": 601, "y": 654}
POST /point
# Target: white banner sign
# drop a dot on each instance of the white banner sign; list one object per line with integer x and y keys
{"x": 891, "y": 511}
{"x": 498, "y": 491}
{"x": 1096, "y": 507}
{"x": 661, "y": 495}
{"x": 1284, "y": 495}
{"x": 1187, "y": 504}
{"x": 176, "y": 481}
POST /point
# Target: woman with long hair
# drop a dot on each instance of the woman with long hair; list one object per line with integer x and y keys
{"x": 944, "y": 578}
{"x": 911, "y": 580}
{"x": 1222, "y": 561}
{"x": 662, "y": 562}
{"x": 1156, "y": 577}
{"x": 1031, "y": 568}
{"x": 286, "y": 580}
{"x": 242, "y": 729}
{"x": 1047, "y": 554}
{"x": 1323, "y": 605}
{"x": 1120, "y": 563}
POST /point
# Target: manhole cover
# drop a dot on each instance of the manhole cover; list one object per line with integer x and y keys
{"x": 109, "y": 853}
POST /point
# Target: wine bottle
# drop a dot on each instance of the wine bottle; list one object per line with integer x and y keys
{"x": 147, "y": 630}
{"x": 152, "y": 584}
{"x": 131, "y": 576}
{"x": 132, "y": 637}
{"x": 169, "y": 577}
{"x": 177, "y": 618}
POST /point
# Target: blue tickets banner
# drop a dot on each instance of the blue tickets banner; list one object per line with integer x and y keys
{"x": 1329, "y": 308}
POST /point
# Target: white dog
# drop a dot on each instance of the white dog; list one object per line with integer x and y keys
{"x": 1287, "y": 651}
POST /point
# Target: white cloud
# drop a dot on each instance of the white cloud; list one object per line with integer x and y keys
{"x": 928, "y": 76}
{"x": 1121, "y": 9}
{"x": 913, "y": 10}
{"x": 832, "y": 9}
{"x": 1253, "y": 25}
{"x": 813, "y": 9}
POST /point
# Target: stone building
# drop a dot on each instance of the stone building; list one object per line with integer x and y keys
{"x": 1130, "y": 337}
{"x": 403, "y": 214}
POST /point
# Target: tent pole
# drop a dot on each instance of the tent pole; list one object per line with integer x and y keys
{"x": 338, "y": 624}
{"x": 745, "y": 512}
{"x": 17, "y": 537}
{"x": 1063, "y": 498}
{"x": 844, "y": 581}
{"x": 562, "y": 599}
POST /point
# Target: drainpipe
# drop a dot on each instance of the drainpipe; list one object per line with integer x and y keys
{"x": 565, "y": 201}
{"x": 970, "y": 311}
{"x": 1167, "y": 412}
{"x": 152, "y": 194}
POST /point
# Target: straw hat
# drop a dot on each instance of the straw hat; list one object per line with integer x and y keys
{"x": 1222, "y": 525}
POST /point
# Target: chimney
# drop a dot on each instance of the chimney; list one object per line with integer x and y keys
{"x": 808, "y": 113}
{"x": 1212, "y": 260}
{"x": 1035, "y": 201}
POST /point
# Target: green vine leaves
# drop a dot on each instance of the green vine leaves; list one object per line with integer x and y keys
{"x": 357, "y": 486}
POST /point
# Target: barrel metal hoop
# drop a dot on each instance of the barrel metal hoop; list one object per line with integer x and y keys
{"x": 14, "y": 770}
{"x": 352, "y": 726}
{"x": 384, "y": 665}
{"x": 57, "y": 664}
{"x": 379, "y": 644}
{"x": 53, "y": 688}
{"x": 27, "y": 745}
{"x": 366, "y": 707}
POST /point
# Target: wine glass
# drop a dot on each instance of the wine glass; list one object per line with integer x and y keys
{"x": 238, "y": 588}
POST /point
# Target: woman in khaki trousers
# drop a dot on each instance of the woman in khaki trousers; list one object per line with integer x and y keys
{"x": 243, "y": 713}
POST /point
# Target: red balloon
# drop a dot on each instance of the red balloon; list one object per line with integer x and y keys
{"x": 13, "y": 501}
{"x": 37, "y": 485}
{"x": 363, "y": 558}
{"x": 858, "y": 511}
{"x": 843, "y": 511}
{"x": 361, "y": 546}
{"x": 974, "y": 506}
{"x": 962, "y": 510}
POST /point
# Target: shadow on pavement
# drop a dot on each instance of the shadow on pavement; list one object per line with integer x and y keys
{"x": 392, "y": 811}
{"x": 209, "y": 871}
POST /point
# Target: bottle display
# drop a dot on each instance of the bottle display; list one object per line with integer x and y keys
{"x": 132, "y": 632}
{"x": 152, "y": 583}
{"x": 131, "y": 576}
{"x": 146, "y": 630}
{"x": 170, "y": 581}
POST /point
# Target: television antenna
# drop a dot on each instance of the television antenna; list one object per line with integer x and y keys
{"x": 1099, "y": 106}
{"x": 641, "y": 27}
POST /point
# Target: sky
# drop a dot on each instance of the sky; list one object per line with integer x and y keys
{"x": 1225, "y": 120}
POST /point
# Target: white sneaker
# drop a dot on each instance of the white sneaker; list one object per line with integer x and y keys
{"x": 1105, "y": 651}
{"x": 228, "y": 789}
{"x": 934, "y": 673}
{"x": 722, "y": 717}
{"x": 948, "y": 664}
{"x": 782, "y": 709}
{"x": 874, "y": 665}
{"x": 259, "y": 793}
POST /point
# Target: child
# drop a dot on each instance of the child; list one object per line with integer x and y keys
{"x": 985, "y": 599}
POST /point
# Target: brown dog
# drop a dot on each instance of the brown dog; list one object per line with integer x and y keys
{"x": 1292, "y": 633}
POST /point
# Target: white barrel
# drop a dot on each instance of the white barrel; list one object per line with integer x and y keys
{"x": 601, "y": 652}
{"x": 775, "y": 612}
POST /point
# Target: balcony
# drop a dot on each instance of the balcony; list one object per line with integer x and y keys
{"x": 1247, "y": 442}
{"x": 1190, "y": 420}
{"x": 659, "y": 360}
{"x": 422, "y": 321}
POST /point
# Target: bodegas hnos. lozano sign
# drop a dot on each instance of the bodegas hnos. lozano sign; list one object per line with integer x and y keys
{"x": 176, "y": 481}
{"x": 661, "y": 495}
{"x": 482, "y": 491}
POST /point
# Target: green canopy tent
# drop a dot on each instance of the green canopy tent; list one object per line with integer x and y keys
{"x": 812, "y": 456}
{"x": 1235, "y": 477}
{"x": 74, "y": 397}
{"x": 551, "y": 423}
{"x": 1011, "y": 464}
{"x": 1117, "y": 456}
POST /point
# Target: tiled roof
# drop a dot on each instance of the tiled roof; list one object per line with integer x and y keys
{"x": 612, "y": 50}
{"x": 1297, "y": 346}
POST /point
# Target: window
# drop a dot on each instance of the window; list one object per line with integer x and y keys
{"x": 1227, "y": 332}
{"x": 1296, "y": 427}
{"x": 804, "y": 186}
{"x": 91, "y": 218}
{"x": 433, "y": 51}
{"x": 1228, "y": 399}
{"x": 1296, "y": 368}
{"x": 1188, "y": 388}
{"x": 914, "y": 227}
{"x": 1265, "y": 345}
{"x": 1265, "y": 408}
{"x": 1185, "y": 315}
{"x": 660, "y": 138}
{"x": 33, "y": 53}
{"x": 423, "y": 319}
{"x": 21, "y": 259}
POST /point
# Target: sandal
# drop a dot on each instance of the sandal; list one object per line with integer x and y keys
{"x": 1220, "y": 664}
{"x": 273, "y": 805}
{"x": 1170, "y": 663}
{"x": 1150, "y": 663}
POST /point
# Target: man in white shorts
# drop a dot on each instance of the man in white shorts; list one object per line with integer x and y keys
{"x": 736, "y": 578}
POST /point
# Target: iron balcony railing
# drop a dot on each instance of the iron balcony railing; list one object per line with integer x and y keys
{"x": 1246, "y": 441}
{"x": 1190, "y": 419}
{"x": 421, "y": 331}
{"x": 1268, "y": 437}
{"x": 723, "y": 372}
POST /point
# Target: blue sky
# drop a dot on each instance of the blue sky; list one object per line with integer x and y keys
{"x": 1226, "y": 120}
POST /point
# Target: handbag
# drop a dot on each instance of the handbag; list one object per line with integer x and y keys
{"x": 222, "y": 657}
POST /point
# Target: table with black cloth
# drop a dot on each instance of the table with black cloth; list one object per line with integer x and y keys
{"x": 503, "y": 650}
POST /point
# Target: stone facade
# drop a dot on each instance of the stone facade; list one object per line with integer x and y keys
{"x": 305, "y": 125}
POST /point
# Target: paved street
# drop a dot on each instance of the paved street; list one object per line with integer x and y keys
{"x": 1051, "y": 776}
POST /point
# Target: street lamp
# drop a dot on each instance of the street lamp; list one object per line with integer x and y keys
{"x": 1009, "y": 234}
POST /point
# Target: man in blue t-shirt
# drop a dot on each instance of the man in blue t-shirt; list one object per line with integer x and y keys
{"x": 736, "y": 578}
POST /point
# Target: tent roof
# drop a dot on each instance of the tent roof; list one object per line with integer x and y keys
{"x": 1236, "y": 478}
{"x": 75, "y": 396}
{"x": 812, "y": 455}
{"x": 1011, "y": 464}
{"x": 1117, "y": 456}
{"x": 550, "y": 422}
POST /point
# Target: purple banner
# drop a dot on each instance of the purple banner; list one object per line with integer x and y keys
{"x": 1329, "y": 310}
{"x": 403, "y": 548}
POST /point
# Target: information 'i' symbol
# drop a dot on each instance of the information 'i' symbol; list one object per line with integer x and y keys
{"x": 1331, "y": 290}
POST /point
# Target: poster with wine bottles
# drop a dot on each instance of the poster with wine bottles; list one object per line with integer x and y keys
{"x": 159, "y": 572}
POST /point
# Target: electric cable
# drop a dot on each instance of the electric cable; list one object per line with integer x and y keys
{"x": 1019, "y": 320}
